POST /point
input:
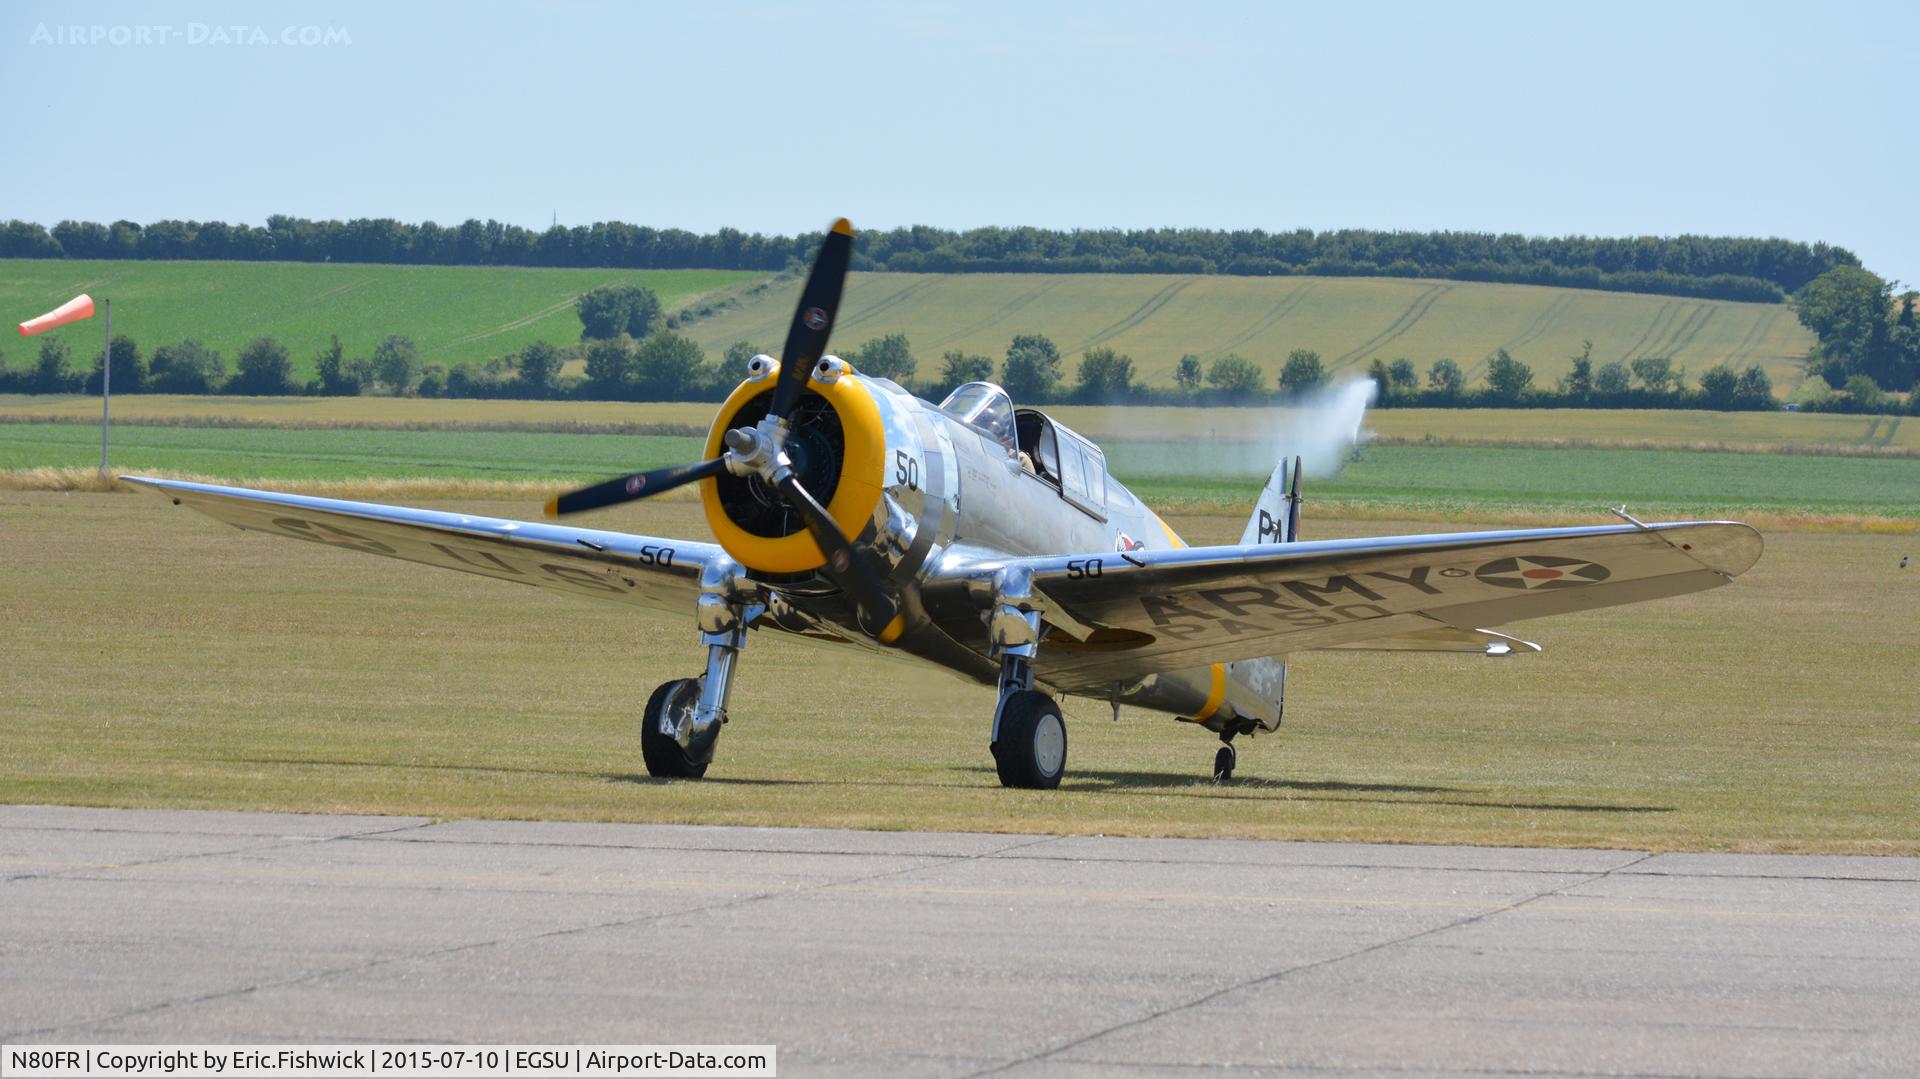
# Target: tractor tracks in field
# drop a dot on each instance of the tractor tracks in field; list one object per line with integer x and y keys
{"x": 893, "y": 300}
{"x": 1667, "y": 308}
{"x": 1414, "y": 312}
{"x": 321, "y": 297}
{"x": 1670, "y": 331}
{"x": 1267, "y": 321}
{"x": 1541, "y": 322}
{"x": 525, "y": 320}
{"x": 1005, "y": 311}
{"x": 1755, "y": 335}
{"x": 1683, "y": 337}
{"x": 1140, "y": 314}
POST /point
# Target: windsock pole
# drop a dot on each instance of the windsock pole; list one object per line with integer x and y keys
{"x": 74, "y": 310}
{"x": 106, "y": 381}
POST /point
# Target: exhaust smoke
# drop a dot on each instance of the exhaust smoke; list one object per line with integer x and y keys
{"x": 1323, "y": 427}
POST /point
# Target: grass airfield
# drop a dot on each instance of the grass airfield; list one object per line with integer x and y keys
{"x": 157, "y": 658}
{"x": 1513, "y": 466}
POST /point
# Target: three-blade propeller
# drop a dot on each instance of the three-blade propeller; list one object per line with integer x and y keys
{"x": 761, "y": 450}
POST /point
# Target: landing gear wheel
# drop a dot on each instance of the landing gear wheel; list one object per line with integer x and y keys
{"x": 1032, "y": 749}
{"x": 1223, "y": 762}
{"x": 672, "y": 704}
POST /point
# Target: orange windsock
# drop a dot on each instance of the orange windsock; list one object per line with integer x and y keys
{"x": 73, "y": 310}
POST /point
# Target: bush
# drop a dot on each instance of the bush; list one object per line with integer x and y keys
{"x": 188, "y": 367}
{"x": 612, "y": 310}
{"x": 668, "y": 367}
{"x": 1718, "y": 385}
{"x": 264, "y": 369}
{"x": 1656, "y": 373}
{"x": 1186, "y": 374}
{"x": 337, "y": 376}
{"x": 50, "y": 374}
{"x": 888, "y": 357}
{"x": 1753, "y": 389}
{"x": 1235, "y": 377}
{"x": 1032, "y": 368}
{"x": 1445, "y": 381}
{"x": 1302, "y": 372}
{"x": 129, "y": 369}
{"x": 1612, "y": 381}
{"x": 537, "y": 370}
{"x": 396, "y": 363}
{"x": 1864, "y": 393}
{"x": 1507, "y": 378}
{"x": 1105, "y": 376}
{"x": 609, "y": 369}
{"x": 957, "y": 368}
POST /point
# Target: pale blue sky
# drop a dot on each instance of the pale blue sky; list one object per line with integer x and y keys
{"x": 1609, "y": 119}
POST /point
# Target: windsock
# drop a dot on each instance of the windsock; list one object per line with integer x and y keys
{"x": 73, "y": 310}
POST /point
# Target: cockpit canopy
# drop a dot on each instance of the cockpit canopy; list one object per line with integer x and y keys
{"x": 985, "y": 407}
{"x": 1047, "y": 450}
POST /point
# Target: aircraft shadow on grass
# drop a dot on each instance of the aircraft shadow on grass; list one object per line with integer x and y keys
{"x": 1157, "y": 784}
{"x": 1183, "y": 785}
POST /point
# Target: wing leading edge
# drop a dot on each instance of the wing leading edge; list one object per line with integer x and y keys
{"x": 1168, "y": 610}
{"x": 652, "y": 572}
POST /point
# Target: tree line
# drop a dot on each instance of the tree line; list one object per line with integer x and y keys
{"x": 1711, "y": 267}
{"x": 664, "y": 366}
{"x": 1869, "y": 341}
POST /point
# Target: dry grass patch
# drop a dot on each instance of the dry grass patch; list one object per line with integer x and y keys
{"x": 156, "y": 658}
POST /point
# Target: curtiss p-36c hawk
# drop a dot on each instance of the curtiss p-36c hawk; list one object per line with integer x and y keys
{"x": 989, "y": 540}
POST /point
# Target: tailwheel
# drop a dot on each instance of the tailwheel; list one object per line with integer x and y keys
{"x": 1223, "y": 763}
{"x": 669, "y": 718}
{"x": 1031, "y": 750}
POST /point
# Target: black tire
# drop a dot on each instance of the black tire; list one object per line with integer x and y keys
{"x": 1223, "y": 762}
{"x": 1032, "y": 750}
{"x": 665, "y": 758}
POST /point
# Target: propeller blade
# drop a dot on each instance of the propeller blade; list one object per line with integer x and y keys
{"x": 627, "y": 488}
{"x": 813, "y": 318}
{"x": 879, "y": 615}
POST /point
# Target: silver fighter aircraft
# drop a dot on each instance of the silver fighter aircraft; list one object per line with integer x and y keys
{"x": 989, "y": 540}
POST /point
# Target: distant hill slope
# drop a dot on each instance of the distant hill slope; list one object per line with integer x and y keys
{"x": 456, "y": 314}
{"x": 459, "y": 314}
{"x": 1347, "y": 320}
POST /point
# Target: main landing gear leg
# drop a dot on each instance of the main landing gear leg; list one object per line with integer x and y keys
{"x": 1029, "y": 737}
{"x": 1224, "y": 760}
{"x": 1227, "y": 757}
{"x": 684, "y": 717}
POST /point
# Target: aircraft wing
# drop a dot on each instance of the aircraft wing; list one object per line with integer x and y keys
{"x": 1121, "y": 615}
{"x": 652, "y": 572}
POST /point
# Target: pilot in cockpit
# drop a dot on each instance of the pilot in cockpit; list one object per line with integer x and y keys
{"x": 988, "y": 409}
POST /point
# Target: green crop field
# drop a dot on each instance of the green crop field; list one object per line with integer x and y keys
{"x": 157, "y": 658}
{"x": 1348, "y": 321}
{"x": 455, "y": 314}
{"x": 1448, "y": 482}
{"x": 460, "y": 314}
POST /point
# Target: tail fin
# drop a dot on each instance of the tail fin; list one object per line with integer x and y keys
{"x": 1276, "y": 517}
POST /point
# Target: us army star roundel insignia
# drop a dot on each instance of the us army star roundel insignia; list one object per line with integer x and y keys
{"x": 1541, "y": 571}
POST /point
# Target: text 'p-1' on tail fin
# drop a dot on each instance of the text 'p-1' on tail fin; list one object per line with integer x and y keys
{"x": 1276, "y": 517}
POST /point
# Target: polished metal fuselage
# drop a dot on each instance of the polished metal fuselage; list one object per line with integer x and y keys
{"x": 956, "y": 505}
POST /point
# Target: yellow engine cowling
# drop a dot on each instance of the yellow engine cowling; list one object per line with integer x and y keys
{"x": 855, "y": 498}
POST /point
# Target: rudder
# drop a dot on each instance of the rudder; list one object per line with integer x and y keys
{"x": 1276, "y": 516}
